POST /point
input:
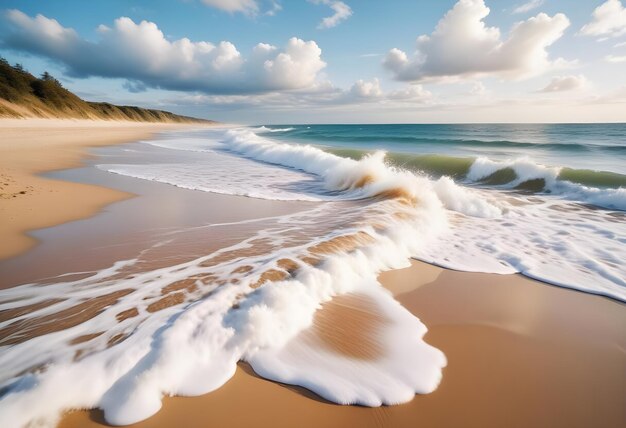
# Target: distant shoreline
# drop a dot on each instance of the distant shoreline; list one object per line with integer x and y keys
{"x": 23, "y": 95}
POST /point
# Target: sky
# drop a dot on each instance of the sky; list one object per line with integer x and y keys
{"x": 328, "y": 61}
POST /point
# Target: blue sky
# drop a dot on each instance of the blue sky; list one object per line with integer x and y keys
{"x": 491, "y": 61}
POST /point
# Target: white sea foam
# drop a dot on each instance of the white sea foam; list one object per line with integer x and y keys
{"x": 262, "y": 129}
{"x": 312, "y": 174}
{"x": 526, "y": 169}
{"x": 464, "y": 200}
{"x": 192, "y": 348}
{"x": 345, "y": 174}
{"x": 546, "y": 237}
{"x": 231, "y": 175}
{"x": 555, "y": 241}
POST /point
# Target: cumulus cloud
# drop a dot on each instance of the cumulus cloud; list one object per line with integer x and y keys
{"x": 142, "y": 54}
{"x": 462, "y": 46}
{"x": 608, "y": 20}
{"x": 370, "y": 91}
{"x": 341, "y": 12}
{"x": 527, "y": 7}
{"x": 364, "y": 89}
{"x": 565, "y": 83}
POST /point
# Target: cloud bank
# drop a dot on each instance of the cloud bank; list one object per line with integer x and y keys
{"x": 608, "y": 20}
{"x": 322, "y": 96}
{"x": 462, "y": 46}
{"x": 142, "y": 54}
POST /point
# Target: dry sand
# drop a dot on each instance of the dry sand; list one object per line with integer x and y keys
{"x": 29, "y": 147}
{"x": 520, "y": 354}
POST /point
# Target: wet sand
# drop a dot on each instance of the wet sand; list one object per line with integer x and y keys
{"x": 29, "y": 147}
{"x": 520, "y": 353}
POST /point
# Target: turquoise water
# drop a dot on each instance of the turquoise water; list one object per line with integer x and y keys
{"x": 590, "y": 154}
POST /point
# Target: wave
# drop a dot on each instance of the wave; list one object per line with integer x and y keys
{"x": 459, "y": 167}
{"x": 361, "y": 175}
{"x": 536, "y": 253}
{"x": 601, "y": 188}
{"x": 263, "y": 129}
{"x": 369, "y": 176}
{"x": 524, "y": 174}
{"x": 352, "y": 135}
{"x": 372, "y": 175}
{"x": 254, "y": 301}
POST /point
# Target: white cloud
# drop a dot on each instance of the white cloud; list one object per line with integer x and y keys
{"x": 141, "y": 53}
{"x": 608, "y": 20}
{"x": 322, "y": 95}
{"x": 371, "y": 91}
{"x": 565, "y": 83}
{"x": 462, "y": 46}
{"x": 528, "y": 6}
{"x": 342, "y": 12}
{"x": 248, "y": 7}
{"x": 615, "y": 58}
{"x": 478, "y": 88}
{"x": 414, "y": 93}
{"x": 364, "y": 89}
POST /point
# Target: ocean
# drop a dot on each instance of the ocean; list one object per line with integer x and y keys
{"x": 544, "y": 201}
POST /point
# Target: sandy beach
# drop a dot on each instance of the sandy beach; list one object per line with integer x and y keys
{"x": 520, "y": 352}
{"x": 31, "y": 147}
{"x": 318, "y": 214}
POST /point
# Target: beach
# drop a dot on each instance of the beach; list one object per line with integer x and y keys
{"x": 519, "y": 356}
{"x": 31, "y": 147}
{"x": 518, "y": 352}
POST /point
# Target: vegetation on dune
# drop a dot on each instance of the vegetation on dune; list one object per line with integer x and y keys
{"x": 24, "y": 95}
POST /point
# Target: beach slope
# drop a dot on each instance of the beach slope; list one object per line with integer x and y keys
{"x": 30, "y": 147}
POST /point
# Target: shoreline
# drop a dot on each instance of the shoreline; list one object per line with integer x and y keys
{"x": 552, "y": 367}
{"x": 521, "y": 352}
{"x": 28, "y": 199}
